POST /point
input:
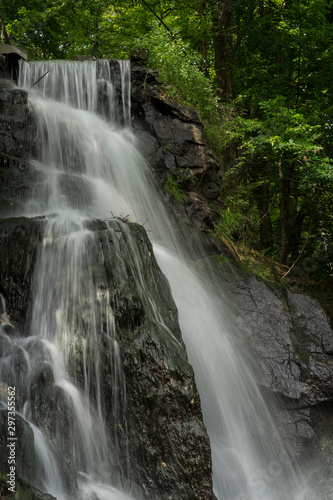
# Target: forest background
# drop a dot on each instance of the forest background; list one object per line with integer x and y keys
{"x": 260, "y": 75}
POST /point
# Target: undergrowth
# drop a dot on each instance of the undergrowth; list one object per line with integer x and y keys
{"x": 173, "y": 185}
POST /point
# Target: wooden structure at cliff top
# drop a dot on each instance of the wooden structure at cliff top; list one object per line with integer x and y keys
{"x": 6, "y": 49}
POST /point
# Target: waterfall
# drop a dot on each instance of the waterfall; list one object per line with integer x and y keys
{"x": 89, "y": 167}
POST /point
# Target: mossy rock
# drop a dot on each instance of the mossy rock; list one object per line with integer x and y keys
{"x": 23, "y": 491}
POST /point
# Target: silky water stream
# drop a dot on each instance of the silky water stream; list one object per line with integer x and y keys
{"x": 89, "y": 167}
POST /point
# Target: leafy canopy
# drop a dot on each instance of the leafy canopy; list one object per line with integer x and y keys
{"x": 259, "y": 74}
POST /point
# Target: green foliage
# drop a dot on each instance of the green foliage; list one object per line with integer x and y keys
{"x": 283, "y": 134}
{"x": 229, "y": 129}
{"x": 234, "y": 218}
{"x": 173, "y": 185}
{"x": 283, "y": 151}
{"x": 62, "y": 29}
{"x": 269, "y": 63}
{"x": 179, "y": 66}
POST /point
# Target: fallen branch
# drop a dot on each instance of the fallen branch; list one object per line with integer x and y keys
{"x": 300, "y": 255}
{"x": 121, "y": 218}
{"x": 4, "y": 319}
{"x": 39, "y": 79}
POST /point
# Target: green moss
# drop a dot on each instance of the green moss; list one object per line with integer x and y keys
{"x": 22, "y": 490}
{"x": 23, "y": 493}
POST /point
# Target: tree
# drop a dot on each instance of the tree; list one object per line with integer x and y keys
{"x": 288, "y": 170}
{"x": 259, "y": 73}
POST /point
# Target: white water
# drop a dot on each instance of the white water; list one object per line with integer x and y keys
{"x": 89, "y": 167}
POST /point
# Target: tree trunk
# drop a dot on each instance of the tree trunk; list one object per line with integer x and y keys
{"x": 263, "y": 204}
{"x": 96, "y": 38}
{"x": 289, "y": 226}
{"x": 203, "y": 48}
{"x": 4, "y": 34}
{"x": 223, "y": 46}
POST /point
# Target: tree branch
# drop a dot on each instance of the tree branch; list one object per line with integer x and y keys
{"x": 247, "y": 22}
{"x": 300, "y": 255}
{"x": 163, "y": 23}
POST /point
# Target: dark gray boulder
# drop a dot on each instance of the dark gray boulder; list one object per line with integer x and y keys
{"x": 171, "y": 137}
{"x": 17, "y": 139}
{"x": 158, "y": 421}
{"x": 287, "y": 340}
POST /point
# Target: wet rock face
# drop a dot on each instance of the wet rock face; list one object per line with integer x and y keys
{"x": 171, "y": 138}
{"x": 17, "y": 135}
{"x": 171, "y": 414}
{"x": 24, "y": 448}
{"x": 20, "y": 239}
{"x": 290, "y": 336}
{"x": 290, "y": 341}
{"x": 154, "y": 423}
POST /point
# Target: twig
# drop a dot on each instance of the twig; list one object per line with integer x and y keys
{"x": 121, "y": 218}
{"x": 39, "y": 79}
{"x": 165, "y": 26}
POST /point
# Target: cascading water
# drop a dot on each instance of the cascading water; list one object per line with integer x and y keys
{"x": 89, "y": 167}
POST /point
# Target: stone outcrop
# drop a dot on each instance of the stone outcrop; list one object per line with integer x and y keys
{"x": 288, "y": 340}
{"x": 163, "y": 431}
{"x": 289, "y": 334}
{"x": 171, "y": 137}
{"x": 6, "y": 50}
{"x": 17, "y": 139}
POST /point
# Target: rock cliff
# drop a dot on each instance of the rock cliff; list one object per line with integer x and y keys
{"x": 171, "y": 137}
{"x": 287, "y": 340}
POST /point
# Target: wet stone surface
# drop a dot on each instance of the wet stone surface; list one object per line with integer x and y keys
{"x": 159, "y": 422}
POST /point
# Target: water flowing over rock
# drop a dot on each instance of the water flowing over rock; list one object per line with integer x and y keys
{"x": 157, "y": 419}
{"x": 90, "y": 334}
{"x": 288, "y": 339}
{"x": 93, "y": 335}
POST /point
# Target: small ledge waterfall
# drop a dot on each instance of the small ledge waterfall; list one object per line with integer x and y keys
{"x": 89, "y": 171}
